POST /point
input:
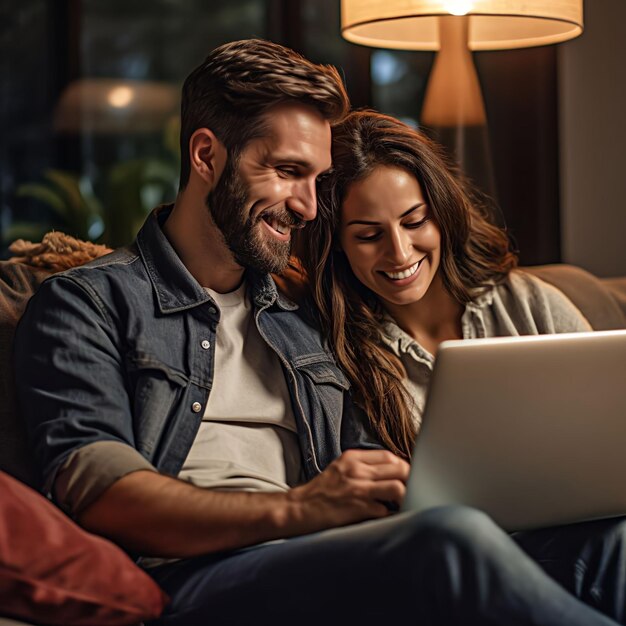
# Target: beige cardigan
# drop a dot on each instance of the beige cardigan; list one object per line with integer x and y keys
{"x": 521, "y": 305}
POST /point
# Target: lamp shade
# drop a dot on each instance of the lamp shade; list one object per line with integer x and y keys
{"x": 115, "y": 105}
{"x": 493, "y": 24}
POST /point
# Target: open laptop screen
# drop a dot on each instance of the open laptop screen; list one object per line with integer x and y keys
{"x": 532, "y": 430}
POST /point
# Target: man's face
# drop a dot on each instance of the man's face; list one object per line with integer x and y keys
{"x": 271, "y": 188}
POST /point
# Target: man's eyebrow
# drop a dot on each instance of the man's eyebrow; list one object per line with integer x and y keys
{"x": 368, "y": 223}
{"x": 301, "y": 163}
{"x": 292, "y": 161}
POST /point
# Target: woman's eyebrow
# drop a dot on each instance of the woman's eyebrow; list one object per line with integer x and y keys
{"x": 373, "y": 223}
{"x": 363, "y": 222}
{"x": 413, "y": 208}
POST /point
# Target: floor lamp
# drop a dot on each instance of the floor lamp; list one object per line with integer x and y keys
{"x": 453, "y": 110}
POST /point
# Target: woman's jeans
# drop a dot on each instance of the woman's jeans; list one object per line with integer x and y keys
{"x": 446, "y": 566}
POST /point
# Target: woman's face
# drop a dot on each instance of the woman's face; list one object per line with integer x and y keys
{"x": 389, "y": 237}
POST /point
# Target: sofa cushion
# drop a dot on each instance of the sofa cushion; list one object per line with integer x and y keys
{"x": 53, "y": 572}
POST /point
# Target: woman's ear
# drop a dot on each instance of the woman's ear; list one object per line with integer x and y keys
{"x": 207, "y": 155}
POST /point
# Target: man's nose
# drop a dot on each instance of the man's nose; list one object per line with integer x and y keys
{"x": 303, "y": 199}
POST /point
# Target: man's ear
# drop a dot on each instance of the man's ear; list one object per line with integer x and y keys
{"x": 207, "y": 155}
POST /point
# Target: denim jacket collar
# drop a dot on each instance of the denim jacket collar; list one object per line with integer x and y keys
{"x": 176, "y": 289}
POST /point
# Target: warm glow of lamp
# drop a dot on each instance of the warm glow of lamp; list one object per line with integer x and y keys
{"x": 453, "y": 98}
{"x": 115, "y": 105}
{"x": 120, "y": 97}
{"x": 494, "y": 24}
{"x": 458, "y": 7}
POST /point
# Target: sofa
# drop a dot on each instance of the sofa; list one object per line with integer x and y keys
{"x": 53, "y": 572}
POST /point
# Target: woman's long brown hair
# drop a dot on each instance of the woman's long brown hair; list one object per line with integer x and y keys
{"x": 473, "y": 253}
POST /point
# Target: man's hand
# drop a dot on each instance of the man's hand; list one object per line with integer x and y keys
{"x": 157, "y": 515}
{"x": 353, "y": 488}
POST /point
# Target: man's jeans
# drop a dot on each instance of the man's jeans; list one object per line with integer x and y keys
{"x": 446, "y": 566}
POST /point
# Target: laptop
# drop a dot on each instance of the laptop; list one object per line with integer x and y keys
{"x": 531, "y": 430}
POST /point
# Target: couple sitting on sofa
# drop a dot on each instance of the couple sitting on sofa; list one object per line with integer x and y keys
{"x": 180, "y": 405}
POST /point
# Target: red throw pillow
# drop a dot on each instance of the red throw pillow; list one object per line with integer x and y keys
{"x": 53, "y": 572}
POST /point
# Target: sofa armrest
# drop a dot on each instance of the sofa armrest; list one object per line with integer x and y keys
{"x": 601, "y": 300}
{"x": 17, "y": 284}
{"x": 617, "y": 289}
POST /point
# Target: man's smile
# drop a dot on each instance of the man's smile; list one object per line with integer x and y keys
{"x": 277, "y": 228}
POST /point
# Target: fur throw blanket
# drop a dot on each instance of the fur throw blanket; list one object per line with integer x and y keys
{"x": 56, "y": 252}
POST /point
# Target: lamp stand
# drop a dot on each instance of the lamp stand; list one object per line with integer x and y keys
{"x": 453, "y": 112}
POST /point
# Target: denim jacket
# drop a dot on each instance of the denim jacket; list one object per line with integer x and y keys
{"x": 122, "y": 350}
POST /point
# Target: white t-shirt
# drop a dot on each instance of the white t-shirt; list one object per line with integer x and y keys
{"x": 247, "y": 439}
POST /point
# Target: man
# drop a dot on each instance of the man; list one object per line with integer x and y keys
{"x": 180, "y": 406}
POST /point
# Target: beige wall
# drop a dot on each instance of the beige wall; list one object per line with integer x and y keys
{"x": 592, "y": 94}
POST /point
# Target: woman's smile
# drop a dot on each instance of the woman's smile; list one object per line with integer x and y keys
{"x": 400, "y": 276}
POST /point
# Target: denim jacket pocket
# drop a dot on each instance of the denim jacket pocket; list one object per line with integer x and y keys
{"x": 155, "y": 389}
{"x": 325, "y": 386}
{"x": 321, "y": 369}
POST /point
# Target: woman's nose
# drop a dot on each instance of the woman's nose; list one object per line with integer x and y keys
{"x": 399, "y": 248}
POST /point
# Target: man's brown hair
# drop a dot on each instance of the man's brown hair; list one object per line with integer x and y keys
{"x": 238, "y": 81}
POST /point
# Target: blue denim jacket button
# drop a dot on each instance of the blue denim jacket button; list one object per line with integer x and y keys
{"x": 206, "y": 344}
{"x": 196, "y": 407}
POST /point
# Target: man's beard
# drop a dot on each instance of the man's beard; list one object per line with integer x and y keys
{"x": 242, "y": 232}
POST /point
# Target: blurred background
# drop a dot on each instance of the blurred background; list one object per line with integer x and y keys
{"x": 89, "y": 98}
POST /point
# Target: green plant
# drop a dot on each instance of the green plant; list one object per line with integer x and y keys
{"x": 109, "y": 209}
{"x": 72, "y": 202}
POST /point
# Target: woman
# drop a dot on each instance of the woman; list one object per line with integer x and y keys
{"x": 402, "y": 258}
